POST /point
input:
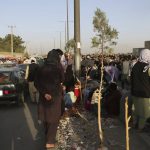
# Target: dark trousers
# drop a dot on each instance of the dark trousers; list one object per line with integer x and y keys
{"x": 50, "y": 132}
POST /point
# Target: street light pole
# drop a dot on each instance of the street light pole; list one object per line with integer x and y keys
{"x": 60, "y": 39}
{"x": 77, "y": 37}
{"x": 54, "y": 43}
{"x": 65, "y": 34}
{"x": 67, "y": 22}
{"x": 65, "y": 31}
{"x": 12, "y": 49}
{"x": 27, "y": 47}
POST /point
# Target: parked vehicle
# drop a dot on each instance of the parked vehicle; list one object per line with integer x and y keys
{"x": 7, "y": 65}
{"x": 23, "y": 68}
{"x": 11, "y": 85}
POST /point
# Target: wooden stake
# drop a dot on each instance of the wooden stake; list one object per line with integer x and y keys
{"x": 99, "y": 107}
{"x": 100, "y": 96}
{"x": 127, "y": 119}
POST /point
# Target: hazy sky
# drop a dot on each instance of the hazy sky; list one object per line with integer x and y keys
{"x": 38, "y": 22}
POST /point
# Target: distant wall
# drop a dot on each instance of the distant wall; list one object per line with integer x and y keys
{"x": 147, "y": 44}
{"x": 136, "y": 51}
{"x": 9, "y": 54}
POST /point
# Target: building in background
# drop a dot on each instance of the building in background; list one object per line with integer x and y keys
{"x": 147, "y": 44}
{"x": 136, "y": 51}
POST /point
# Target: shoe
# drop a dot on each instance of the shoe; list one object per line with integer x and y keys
{"x": 50, "y": 146}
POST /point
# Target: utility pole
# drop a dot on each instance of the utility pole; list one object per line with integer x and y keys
{"x": 41, "y": 49}
{"x": 65, "y": 32}
{"x": 67, "y": 22}
{"x": 27, "y": 47}
{"x": 54, "y": 43}
{"x": 12, "y": 49}
{"x": 77, "y": 52}
{"x": 60, "y": 39}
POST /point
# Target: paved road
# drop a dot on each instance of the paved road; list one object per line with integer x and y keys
{"x": 19, "y": 129}
{"x": 115, "y": 138}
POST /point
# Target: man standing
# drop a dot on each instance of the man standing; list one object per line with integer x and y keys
{"x": 125, "y": 72}
{"x": 30, "y": 76}
{"x": 140, "y": 89}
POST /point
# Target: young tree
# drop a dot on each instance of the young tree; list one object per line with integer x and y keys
{"x": 109, "y": 51}
{"x": 104, "y": 33}
{"x": 70, "y": 45}
{"x": 103, "y": 39}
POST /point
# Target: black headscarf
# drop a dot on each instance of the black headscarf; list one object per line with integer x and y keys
{"x": 53, "y": 56}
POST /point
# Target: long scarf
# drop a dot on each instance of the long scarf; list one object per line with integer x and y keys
{"x": 145, "y": 58}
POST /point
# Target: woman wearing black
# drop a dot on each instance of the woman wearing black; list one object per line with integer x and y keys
{"x": 69, "y": 81}
{"x": 49, "y": 84}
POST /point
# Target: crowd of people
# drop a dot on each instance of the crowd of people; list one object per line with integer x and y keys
{"x": 124, "y": 76}
{"x": 57, "y": 90}
{"x": 6, "y": 60}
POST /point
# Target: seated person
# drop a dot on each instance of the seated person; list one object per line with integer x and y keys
{"x": 69, "y": 99}
{"x": 112, "y": 99}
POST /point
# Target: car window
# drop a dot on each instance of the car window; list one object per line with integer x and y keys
{"x": 14, "y": 77}
{"x": 19, "y": 74}
{"x": 4, "y": 77}
{"x": 23, "y": 67}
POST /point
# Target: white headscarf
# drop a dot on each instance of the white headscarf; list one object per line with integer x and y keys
{"x": 145, "y": 58}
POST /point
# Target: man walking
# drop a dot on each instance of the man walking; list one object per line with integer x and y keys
{"x": 30, "y": 76}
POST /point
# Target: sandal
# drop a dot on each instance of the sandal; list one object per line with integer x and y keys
{"x": 49, "y": 146}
